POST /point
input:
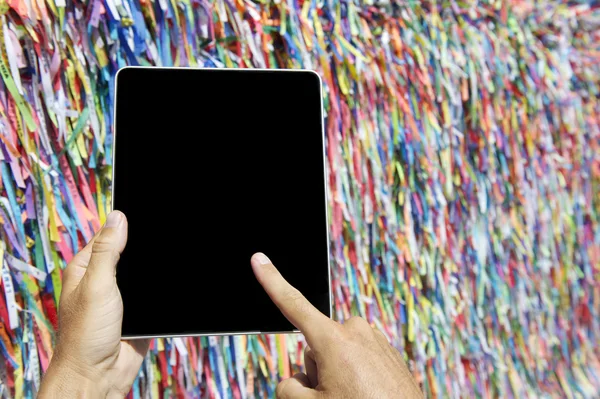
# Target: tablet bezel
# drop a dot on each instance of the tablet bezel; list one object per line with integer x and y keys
{"x": 249, "y": 71}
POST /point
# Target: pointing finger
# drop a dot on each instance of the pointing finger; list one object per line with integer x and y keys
{"x": 294, "y": 306}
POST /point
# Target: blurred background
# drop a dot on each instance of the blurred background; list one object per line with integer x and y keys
{"x": 463, "y": 144}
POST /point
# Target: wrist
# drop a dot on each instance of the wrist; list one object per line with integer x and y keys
{"x": 65, "y": 380}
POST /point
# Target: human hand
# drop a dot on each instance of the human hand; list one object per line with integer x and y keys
{"x": 350, "y": 360}
{"x": 90, "y": 360}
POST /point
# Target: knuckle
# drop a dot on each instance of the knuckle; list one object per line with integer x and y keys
{"x": 105, "y": 246}
{"x": 102, "y": 245}
{"x": 357, "y": 323}
{"x": 335, "y": 331}
{"x": 334, "y": 336}
{"x": 357, "y": 328}
{"x": 107, "y": 235}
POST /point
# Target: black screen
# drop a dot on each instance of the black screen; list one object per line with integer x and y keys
{"x": 210, "y": 167}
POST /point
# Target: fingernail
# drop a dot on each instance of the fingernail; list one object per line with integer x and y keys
{"x": 114, "y": 219}
{"x": 261, "y": 259}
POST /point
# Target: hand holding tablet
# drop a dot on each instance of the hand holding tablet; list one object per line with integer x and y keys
{"x": 351, "y": 360}
{"x": 202, "y": 192}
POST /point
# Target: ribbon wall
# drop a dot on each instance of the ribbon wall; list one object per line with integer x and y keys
{"x": 463, "y": 144}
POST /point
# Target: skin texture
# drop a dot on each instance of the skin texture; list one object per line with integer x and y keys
{"x": 91, "y": 361}
{"x": 350, "y": 360}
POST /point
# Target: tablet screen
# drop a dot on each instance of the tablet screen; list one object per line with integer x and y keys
{"x": 211, "y": 166}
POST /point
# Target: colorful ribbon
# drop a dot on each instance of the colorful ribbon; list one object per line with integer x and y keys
{"x": 463, "y": 143}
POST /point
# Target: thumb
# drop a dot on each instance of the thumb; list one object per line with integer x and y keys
{"x": 107, "y": 247}
{"x": 296, "y": 387}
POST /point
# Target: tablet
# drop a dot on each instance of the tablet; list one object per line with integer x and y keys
{"x": 211, "y": 166}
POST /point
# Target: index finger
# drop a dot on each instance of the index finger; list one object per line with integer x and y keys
{"x": 294, "y": 306}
